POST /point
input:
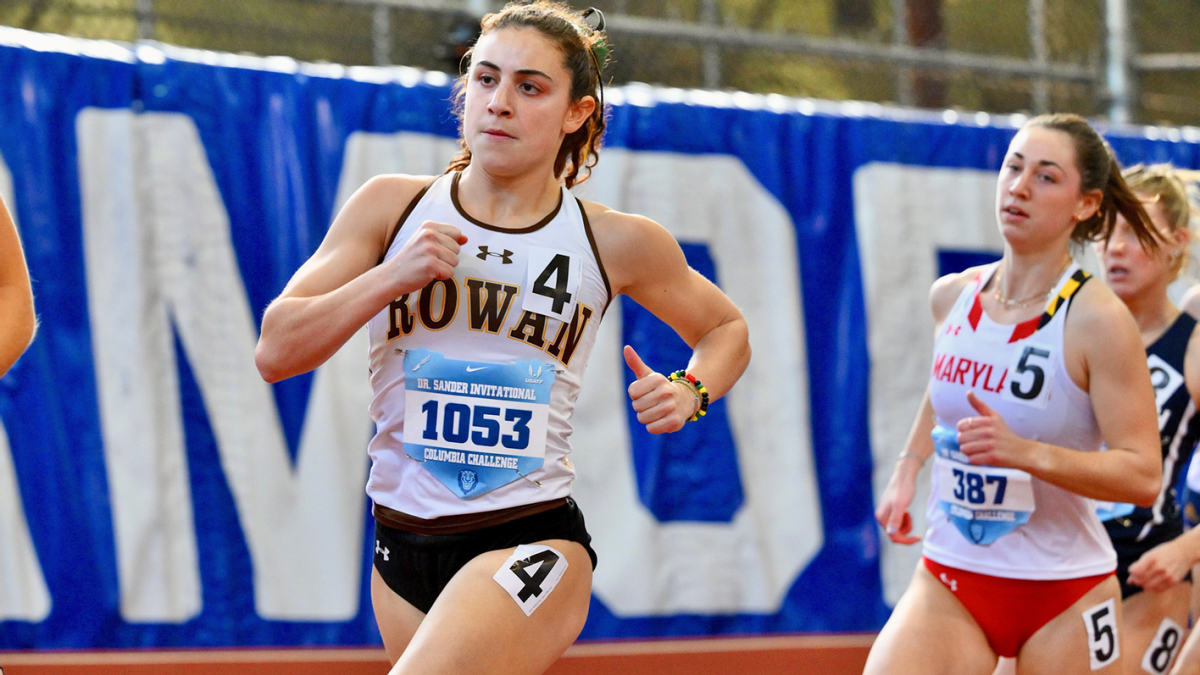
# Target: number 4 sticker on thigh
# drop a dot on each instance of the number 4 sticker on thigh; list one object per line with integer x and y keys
{"x": 530, "y": 574}
{"x": 1104, "y": 647}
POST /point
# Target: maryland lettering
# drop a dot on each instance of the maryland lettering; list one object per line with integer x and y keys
{"x": 957, "y": 370}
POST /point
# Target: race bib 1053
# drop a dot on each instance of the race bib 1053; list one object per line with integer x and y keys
{"x": 475, "y": 426}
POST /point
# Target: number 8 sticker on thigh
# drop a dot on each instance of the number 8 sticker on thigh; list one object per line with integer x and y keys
{"x": 475, "y": 426}
{"x": 1161, "y": 651}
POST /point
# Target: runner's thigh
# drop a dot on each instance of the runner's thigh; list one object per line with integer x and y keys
{"x": 1063, "y": 646}
{"x": 397, "y": 619}
{"x": 930, "y": 633}
{"x": 476, "y": 626}
{"x": 1153, "y": 627}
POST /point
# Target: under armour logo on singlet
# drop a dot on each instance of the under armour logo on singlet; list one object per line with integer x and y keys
{"x": 484, "y": 253}
{"x": 381, "y": 551}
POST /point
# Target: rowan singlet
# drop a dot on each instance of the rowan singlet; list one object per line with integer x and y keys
{"x": 475, "y": 377}
{"x": 1005, "y": 522}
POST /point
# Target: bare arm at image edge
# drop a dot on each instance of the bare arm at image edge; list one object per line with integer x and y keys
{"x": 17, "y": 319}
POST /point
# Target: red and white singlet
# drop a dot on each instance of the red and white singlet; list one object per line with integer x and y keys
{"x": 1004, "y": 522}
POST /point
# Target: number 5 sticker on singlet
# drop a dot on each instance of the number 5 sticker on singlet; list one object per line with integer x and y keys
{"x": 1030, "y": 376}
{"x": 475, "y": 425}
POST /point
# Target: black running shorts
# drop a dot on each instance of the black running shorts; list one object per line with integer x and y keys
{"x": 417, "y": 567}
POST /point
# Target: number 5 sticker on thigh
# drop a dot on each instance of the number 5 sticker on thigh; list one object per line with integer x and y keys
{"x": 1104, "y": 647}
{"x": 530, "y": 573}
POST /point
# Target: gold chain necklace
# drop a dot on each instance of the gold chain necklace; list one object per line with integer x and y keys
{"x": 1007, "y": 303}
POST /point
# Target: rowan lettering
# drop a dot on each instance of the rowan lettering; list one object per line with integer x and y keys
{"x": 488, "y": 305}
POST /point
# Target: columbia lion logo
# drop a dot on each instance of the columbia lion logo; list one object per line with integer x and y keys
{"x": 534, "y": 375}
{"x": 484, "y": 253}
{"x": 466, "y": 480}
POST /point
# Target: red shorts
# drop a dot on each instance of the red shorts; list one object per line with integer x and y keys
{"x": 1010, "y": 611}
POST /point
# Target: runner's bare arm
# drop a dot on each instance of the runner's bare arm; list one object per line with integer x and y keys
{"x": 896, "y": 499}
{"x": 1105, "y": 349}
{"x": 644, "y": 262}
{"x": 942, "y": 296}
{"x": 17, "y": 319}
{"x": 1168, "y": 563}
{"x": 341, "y": 286}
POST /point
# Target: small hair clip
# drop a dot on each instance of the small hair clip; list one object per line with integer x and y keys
{"x": 594, "y": 18}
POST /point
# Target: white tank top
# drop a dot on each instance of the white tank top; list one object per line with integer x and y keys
{"x": 475, "y": 378}
{"x": 1004, "y": 522}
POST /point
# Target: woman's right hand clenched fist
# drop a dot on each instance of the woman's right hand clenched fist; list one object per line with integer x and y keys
{"x": 431, "y": 253}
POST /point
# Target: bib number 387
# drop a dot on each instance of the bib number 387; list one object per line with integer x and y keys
{"x": 1104, "y": 646}
{"x": 983, "y": 502}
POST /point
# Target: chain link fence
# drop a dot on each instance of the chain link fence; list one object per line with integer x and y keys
{"x": 433, "y": 35}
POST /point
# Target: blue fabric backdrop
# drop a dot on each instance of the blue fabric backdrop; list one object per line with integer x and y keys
{"x": 275, "y": 142}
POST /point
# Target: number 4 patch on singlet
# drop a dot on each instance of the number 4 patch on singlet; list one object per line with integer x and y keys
{"x": 552, "y": 278}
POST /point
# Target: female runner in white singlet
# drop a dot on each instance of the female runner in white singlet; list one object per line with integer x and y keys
{"x": 483, "y": 291}
{"x": 1033, "y": 369}
{"x": 17, "y": 319}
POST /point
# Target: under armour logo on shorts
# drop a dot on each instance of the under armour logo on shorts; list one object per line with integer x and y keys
{"x": 506, "y": 257}
{"x": 951, "y": 583}
{"x": 381, "y": 551}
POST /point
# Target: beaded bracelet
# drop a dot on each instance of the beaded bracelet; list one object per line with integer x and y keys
{"x": 697, "y": 387}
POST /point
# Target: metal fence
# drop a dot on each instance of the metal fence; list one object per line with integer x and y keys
{"x": 1067, "y": 54}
